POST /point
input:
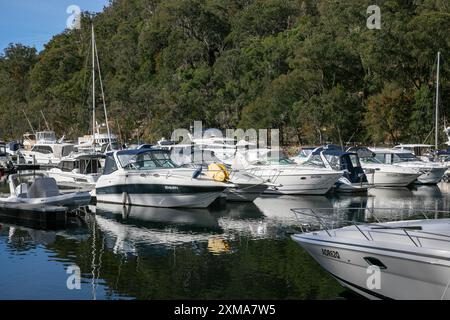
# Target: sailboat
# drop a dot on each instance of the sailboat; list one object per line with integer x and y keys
{"x": 84, "y": 167}
{"x": 97, "y": 141}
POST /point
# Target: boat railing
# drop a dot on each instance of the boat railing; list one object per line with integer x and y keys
{"x": 330, "y": 223}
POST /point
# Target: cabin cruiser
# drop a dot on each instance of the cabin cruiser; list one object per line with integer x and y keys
{"x": 44, "y": 137}
{"x": 100, "y": 143}
{"x": 287, "y": 176}
{"x": 46, "y": 149}
{"x": 422, "y": 151}
{"x": 148, "y": 177}
{"x": 384, "y": 175}
{"x": 38, "y": 189}
{"x": 392, "y": 260}
{"x": 332, "y": 157}
{"x": 247, "y": 187}
{"x": 303, "y": 155}
{"x": 431, "y": 172}
{"x": 47, "y": 153}
{"x": 81, "y": 169}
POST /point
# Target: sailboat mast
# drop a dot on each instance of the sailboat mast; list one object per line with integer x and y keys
{"x": 436, "y": 136}
{"x": 93, "y": 85}
{"x": 103, "y": 97}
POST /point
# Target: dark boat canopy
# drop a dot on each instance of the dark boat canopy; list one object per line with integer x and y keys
{"x": 332, "y": 150}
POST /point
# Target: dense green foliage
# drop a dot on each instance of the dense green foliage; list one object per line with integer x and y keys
{"x": 308, "y": 67}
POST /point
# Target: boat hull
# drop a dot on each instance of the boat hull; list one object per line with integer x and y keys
{"x": 390, "y": 179}
{"x": 311, "y": 184}
{"x": 406, "y": 277}
{"x": 163, "y": 200}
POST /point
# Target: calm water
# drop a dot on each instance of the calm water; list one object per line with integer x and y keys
{"x": 230, "y": 251}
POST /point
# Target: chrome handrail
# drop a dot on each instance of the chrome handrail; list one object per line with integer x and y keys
{"x": 322, "y": 221}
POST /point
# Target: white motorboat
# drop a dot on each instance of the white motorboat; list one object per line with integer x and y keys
{"x": 100, "y": 142}
{"x": 431, "y": 172}
{"x": 286, "y": 176}
{"x": 40, "y": 190}
{"x": 392, "y": 260}
{"x": 148, "y": 177}
{"x": 247, "y": 187}
{"x": 334, "y": 158}
{"x": 303, "y": 155}
{"x": 46, "y": 150}
{"x": 78, "y": 169}
{"x": 384, "y": 175}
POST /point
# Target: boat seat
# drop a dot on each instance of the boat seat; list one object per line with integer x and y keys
{"x": 43, "y": 187}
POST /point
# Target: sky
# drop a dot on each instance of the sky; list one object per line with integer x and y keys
{"x": 34, "y": 22}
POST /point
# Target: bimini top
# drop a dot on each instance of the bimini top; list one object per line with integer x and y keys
{"x": 331, "y": 150}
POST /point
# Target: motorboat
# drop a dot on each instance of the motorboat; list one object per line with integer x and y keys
{"x": 148, "y": 177}
{"x": 391, "y": 260}
{"x": 99, "y": 142}
{"x": 332, "y": 157}
{"x": 39, "y": 190}
{"x": 424, "y": 152}
{"x": 247, "y": 187}
{"x": 46, "y": 149}
{"x": 303, "y": 155}
{"x": 431, "y": 172}
{"x": 384, "y": 175}
{"x": 81, "y": 169}
{"x": 286, "y": 176}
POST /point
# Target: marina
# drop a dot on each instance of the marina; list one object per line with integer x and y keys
{"x": 231, "y": 250}
{"x": 208, "y": 150}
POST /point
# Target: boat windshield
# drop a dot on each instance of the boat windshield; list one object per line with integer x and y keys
{"x": 404, "y": 157}
{"x": 370, "y": 160}
{"x": 146, "y": 161}
{"x": 314, "y": 161}
{"x": 273, "y": 160}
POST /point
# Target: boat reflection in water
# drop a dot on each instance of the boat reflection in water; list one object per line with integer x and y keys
{"x": 230, "y": 250}
{"x": 128, "y": 227}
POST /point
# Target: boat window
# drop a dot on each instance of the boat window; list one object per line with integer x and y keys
{"x": 110, "y": 165}
{"x": 333, "y": 161}
{"x": 355, "y": 160}
{"x": 305, "y": 153}
{"x": 273, "y": 159}
{"x": 67, "y": 150}
{"x": 314, "y": 161}
{"x": 67, "y": 165}
{"x": 88, "y": 166}
{"x": 146, "y": 161}
{"x": 43, "y": 149}
{"x": 404, "y": 157}
{"x": 370, "y": 160}
{"x": 380, "y": 157}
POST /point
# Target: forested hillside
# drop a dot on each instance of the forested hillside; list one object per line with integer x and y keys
{"x": 309, "y": 67}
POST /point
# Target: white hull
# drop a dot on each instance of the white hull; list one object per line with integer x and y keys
{"x": 391, "y": 179}
{"x": 407, "y": 276}
{"x": 298, "y": 183}
{"x": 168, "y": 200}
{"x": 62, "y": 177}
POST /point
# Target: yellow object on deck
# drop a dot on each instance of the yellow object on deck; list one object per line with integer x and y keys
{"x": 218, "y": 172}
